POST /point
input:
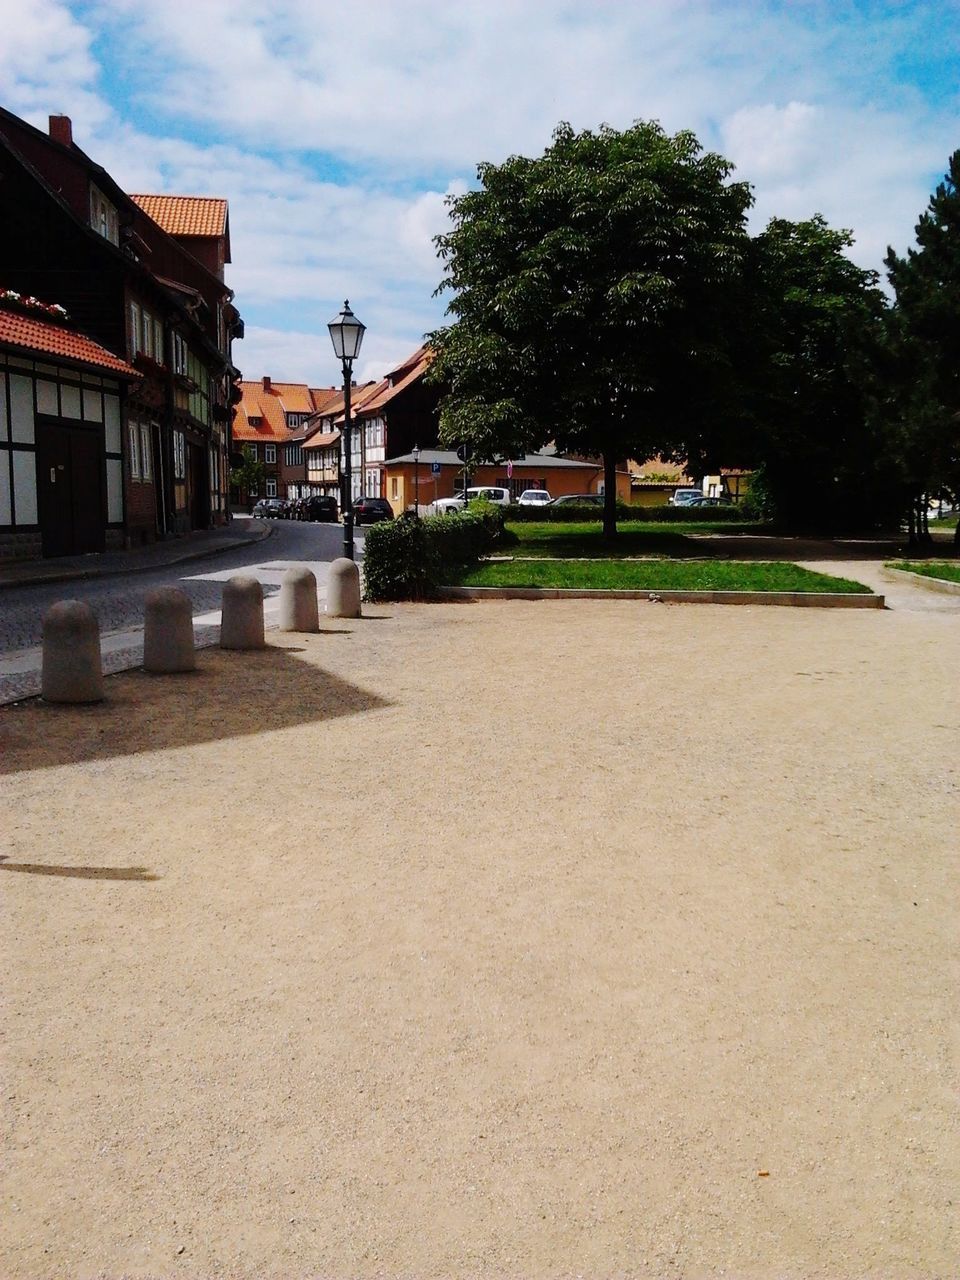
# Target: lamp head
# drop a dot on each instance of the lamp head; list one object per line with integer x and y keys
{"x": 346, "y": 334}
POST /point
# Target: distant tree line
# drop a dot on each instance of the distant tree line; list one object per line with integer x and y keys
{"x": 607, "y": 295}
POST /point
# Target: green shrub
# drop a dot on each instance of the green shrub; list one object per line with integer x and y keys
{"x": 409, "y": 558}
{"x": 571, "y": 513}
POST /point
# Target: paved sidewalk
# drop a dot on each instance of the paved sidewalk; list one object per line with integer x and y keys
{"x": 188, "y": 546}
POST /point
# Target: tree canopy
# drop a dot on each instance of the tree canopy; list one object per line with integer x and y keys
{"x": 816, "y": 327}
{"x": 594, "y": 291}
{"x": 922, "y": 390}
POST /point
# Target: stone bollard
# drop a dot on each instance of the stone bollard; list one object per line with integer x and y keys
{"x": 241, "y": 620}
{"x": 168, "y": 632}
{"x": 299, "y": 610}
{"x": 72, "y": 671}
{"x": 343, "y": 589}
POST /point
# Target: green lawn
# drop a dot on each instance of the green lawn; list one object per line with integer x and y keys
{"x": 634, "y": 538}
{"x": 946, "y": 522}
{"x": 657, "y": 575}
{"x": 948, "y": 571}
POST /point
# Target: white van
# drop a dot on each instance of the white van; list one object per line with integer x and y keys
{"x": 488, "y": 492}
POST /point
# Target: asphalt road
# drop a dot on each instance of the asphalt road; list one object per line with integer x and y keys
{"x": 118, "y": 601}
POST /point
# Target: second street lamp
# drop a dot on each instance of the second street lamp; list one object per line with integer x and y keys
{"x": 416, "y": 478}
{"x": 346, "y": 334}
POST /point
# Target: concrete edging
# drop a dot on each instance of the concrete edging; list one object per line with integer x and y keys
{"x": 794, "y": 599}
{"x": 942, "y": 585}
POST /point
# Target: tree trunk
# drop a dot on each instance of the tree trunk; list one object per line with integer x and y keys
{"x": 609, "y": 495}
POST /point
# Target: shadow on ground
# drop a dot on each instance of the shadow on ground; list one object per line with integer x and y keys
{"x": 138, "y": 874}
{"x": 230, "y": 695}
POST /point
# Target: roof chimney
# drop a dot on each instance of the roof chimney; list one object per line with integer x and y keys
{"x": 61, "y": 130}
{"x": 266, "y": 383}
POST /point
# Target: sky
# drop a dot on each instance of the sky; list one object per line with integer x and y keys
{"x": 336, "y": 131}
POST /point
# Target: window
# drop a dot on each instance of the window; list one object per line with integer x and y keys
{"x": 146, "y": 452}
{"x": 134, "y": 450}
{"x": 103, "y": 216}
{"x": 158, "y": 353}
{"x": 293, "y": 455}
{"x": 271, "y": 488}
{"x": 394, "y": 488}
{"x": 179, "y": 355}
{"x": 296, "y": 419}
{"x": 251, "y": 449}
{"x": 179, "y": 456}
{"x": 134, "y": 329}
{"x": 270, "y": 455}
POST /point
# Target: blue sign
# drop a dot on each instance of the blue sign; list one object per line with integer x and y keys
{"x": 435, "y": 468}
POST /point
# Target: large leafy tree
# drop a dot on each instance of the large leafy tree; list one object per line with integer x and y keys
{"x": 923, "y": 392}
{"x": 816, "y": 320}
{"x": 594, "y": 290}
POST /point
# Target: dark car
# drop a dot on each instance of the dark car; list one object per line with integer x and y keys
{"x": 710, "y": 502}
{"x": 269, "y": 508}
{"x": 371, "y": 510}
{"x": 577, "y": 500}
{"x": 319, "y": 507}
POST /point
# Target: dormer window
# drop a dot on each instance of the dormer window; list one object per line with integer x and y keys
{"x": 255, "y": 420}
{"x": 103, "y": 216}
{"x": 296, "y": 420}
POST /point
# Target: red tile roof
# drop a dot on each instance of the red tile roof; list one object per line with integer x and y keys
{"x": 42, "y": 337}
{"x": 271, "y": 405}
{"x": 186, "y": 215}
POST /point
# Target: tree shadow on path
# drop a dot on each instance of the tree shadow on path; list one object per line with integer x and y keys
{"x": 230, "y": 695}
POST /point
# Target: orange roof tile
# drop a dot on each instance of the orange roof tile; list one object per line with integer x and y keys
{"x": 323, "y": 440}
{"x": 186, "y": 215}
{"x": 271, "y": 406}
{"x": 28, "y": 334}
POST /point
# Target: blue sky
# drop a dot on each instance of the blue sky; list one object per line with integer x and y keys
{"x": 336, "y": 131}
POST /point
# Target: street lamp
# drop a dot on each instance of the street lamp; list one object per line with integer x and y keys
{"x": 346, "y": 334}
{"x": 416, "y": 477}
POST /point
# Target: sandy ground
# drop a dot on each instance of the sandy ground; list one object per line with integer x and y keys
{"x": 510, "y": 939}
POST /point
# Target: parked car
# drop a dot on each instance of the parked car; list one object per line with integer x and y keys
{"x": 534, "y": 498}
{"x": 684, "y": 497}
{"x": 578, "y": 500}
{"x": 319, "y": 507}
{"x": 371, "y": 510}
{"x": 269, "y": 508}
{"x": 486, "y": 492}
{"x": 708, "y": 502}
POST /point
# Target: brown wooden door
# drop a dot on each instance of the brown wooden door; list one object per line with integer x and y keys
{"x": 70, "y": 487}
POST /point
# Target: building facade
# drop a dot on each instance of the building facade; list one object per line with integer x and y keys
{"x": 71, "y": 236}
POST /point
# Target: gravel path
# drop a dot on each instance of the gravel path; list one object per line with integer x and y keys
{"x": 515, "y": 939}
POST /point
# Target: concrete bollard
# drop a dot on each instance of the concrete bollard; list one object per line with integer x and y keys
{"x": 241, "y": 620}
{"x": 168, "y": 632}
{"x": 343, "y": 589}
{"x": 72, "y": 670}
{"x": 299, "y": 610}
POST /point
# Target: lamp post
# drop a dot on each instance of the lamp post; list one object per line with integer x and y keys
{"x": 346, "y": 334}
{"x": 416, "y": 478}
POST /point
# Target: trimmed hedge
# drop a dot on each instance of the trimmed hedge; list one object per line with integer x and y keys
{"x": 570, "y": 513}
{"x": 409, "y": 558}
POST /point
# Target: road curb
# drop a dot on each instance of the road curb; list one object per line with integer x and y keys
{"x": 793, "y": 599}
{"x": 96, "y": 571}
{"x": 943, "y": 585}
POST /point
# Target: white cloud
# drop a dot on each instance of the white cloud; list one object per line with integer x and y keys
{"x": 336, "y": 135}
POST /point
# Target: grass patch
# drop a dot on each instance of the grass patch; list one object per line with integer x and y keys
{"x": 657, "y": 575}
{"x": 634, "y": 538}
{"x": 946, "y": 571}
{"x": 943, "y": 522}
